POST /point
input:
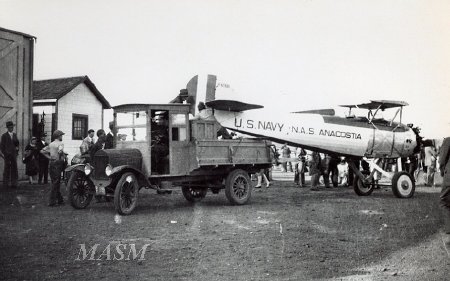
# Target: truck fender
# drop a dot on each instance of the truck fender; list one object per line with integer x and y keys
{"x": 119, "y": 170}
{"x": 79, "y": 167}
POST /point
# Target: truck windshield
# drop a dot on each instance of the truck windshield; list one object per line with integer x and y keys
{"x": 131, "y": 126}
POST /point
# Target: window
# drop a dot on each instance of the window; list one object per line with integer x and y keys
{"x": 36, "y": 128}
{"x": 79, "y": 126}
{"x": 179, "y": 127}
{"x": 132, "y": 126}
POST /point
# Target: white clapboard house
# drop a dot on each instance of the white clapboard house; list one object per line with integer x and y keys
{"x": 73, "y": 105}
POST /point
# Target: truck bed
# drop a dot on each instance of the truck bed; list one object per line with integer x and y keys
{"x": 232, "y": 152}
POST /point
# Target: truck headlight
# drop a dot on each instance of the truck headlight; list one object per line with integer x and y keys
{"x": 87, "y": 169}
{"x": 108, "y": 170}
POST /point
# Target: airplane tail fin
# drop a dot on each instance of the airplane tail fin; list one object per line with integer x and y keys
{"x": 205, "y": 88}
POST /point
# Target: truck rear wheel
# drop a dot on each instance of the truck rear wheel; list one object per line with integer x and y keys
{"x": 126, "y": 194}
{"x": 238, "y": 187}
{"x": 193, "y": 194}
{"x": 81, "y": 190}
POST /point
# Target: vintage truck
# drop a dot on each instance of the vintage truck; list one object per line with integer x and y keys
{"x": 160, "y": 145}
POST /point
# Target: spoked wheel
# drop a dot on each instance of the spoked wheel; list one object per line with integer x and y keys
{"x": 81, "y": 190}
{"x": 193, "y": 194}
{"x": 238, "y": 187}
{"x": 403, "y": 185}
{"x": 361, "y": 188}
{"x": 126, "y": 194}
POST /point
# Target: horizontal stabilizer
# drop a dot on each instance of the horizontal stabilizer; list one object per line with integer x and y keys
{"x": 328, "y": 111}
{"x": 232, "y": 105}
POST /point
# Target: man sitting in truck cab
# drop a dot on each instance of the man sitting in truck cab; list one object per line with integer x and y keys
{"x": 160, "y": 142}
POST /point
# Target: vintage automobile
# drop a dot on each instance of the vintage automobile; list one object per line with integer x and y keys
{"x": 157, "y": 145}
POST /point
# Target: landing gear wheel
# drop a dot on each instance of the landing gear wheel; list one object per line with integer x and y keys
{"x": 126, "y": 194}
{"x": 238, "y": 187}
{"x": 81, "y": 190}
{"x": 193, "y": 194}
{"x": 403, "y": 185}
{"x": 361, "y": 188}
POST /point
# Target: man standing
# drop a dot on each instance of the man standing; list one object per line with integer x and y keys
{"x": 9, "y": 148}
{"x": 299, "y": 176}
{"x": 315, "y": 170}
{"x": 87, "y": 143}
{"x": 100, "y": 144}
{"x": 286, "y": 153}
{"x": 43, "y": 161}
{"x": 444, "y": 164}
{"x": 330, "y": 169}
{"x": 325, "y": 169}
{"x": 430, "y": 164}
{"x": 109, "y": 142}
{"x": 55, "y": 153}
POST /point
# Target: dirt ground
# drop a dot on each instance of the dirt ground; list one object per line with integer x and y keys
{"x": 284, "y": 233}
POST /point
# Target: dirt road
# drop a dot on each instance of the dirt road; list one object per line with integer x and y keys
{"x": 285, "y": 233}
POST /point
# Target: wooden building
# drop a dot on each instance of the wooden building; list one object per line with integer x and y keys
{"x": 16, "y": 79}
{"x": 73, "y": 105}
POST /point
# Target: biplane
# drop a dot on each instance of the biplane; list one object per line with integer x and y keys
{"x": 370, "y": 138}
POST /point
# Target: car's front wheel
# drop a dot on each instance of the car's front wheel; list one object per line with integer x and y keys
{"x": 81, "y": 190}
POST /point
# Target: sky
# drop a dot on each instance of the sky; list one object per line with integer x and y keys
{"x": 286, "y": 55}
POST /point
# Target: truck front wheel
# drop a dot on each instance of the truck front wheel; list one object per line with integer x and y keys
{"x": 126, "y": 194}
{"x": 238, "y": 187}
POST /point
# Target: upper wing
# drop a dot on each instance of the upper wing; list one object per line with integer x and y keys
{"x": 381, "y": 104}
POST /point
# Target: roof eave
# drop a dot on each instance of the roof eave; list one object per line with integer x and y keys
{"x": 98, "y": 95}
{"x": 19, "y": 33}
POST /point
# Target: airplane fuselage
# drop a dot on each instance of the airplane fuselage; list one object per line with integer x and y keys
{"x": 336, "y": 135}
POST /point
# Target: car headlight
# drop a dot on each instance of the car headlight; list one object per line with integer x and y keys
{"x": 108, "y": 170}
{"x": 87, "y": 169}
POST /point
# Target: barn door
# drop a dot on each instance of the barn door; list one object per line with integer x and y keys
{"x": 10, "y": 80}
{"x": 16, "y": 78}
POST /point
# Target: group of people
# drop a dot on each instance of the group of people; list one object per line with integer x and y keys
{"x": 88, "y": 147}
{"x": 318, "y": 165}
{"x": 335, "y": 171}
{"x": 425, "y": 160}
{"x": 39, "y": 158}
{"x": 36, "y": 164}
{"x": 42, "y": 159}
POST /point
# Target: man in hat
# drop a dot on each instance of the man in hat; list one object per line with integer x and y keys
{"x": 9, "y": 148}
{"x": 55, "y": 153}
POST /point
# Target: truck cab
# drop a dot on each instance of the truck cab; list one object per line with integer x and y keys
{"x": 161, "y": 132}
